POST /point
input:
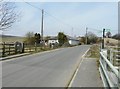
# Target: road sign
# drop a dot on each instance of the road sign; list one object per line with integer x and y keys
{"x": 107, "y": 30}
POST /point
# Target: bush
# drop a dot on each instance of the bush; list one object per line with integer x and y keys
{"x": 66, "y": 44}
{"x": 30, "y": 39}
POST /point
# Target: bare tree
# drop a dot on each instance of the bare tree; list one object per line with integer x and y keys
{"x": 7, "y": 14}
{"x": 92, "y": 38}
{"x": 30, "y": 39}
{"x": 108, "y": 34}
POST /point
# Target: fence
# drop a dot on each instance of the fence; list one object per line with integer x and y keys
{"x": 35, "y": 48}
{"x": 17, "y": 47}
{"x": 10, "y": 49}
{"x": 109, "y": 70}
{"x": 114, "y": 56}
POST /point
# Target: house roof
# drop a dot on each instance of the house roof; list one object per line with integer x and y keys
{"x": 53, "y": 38}
{"x": 69, "y": 38}
{"x": 72, "y": 38}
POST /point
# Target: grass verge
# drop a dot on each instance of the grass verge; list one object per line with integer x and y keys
{"x": 94, "y": 52}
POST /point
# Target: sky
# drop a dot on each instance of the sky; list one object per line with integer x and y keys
{"x": 72, "y": 18}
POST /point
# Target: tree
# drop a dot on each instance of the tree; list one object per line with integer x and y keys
{"x": 82, "y": 40}
{"x": 47, "y": 38}
{"x": 30, "y": 39}
{"x": 108, "y": 34}
{"x": 91, "y": 38}
{"x": 8, "y": 15}
{"x": 37, "y": 38}
{"x": 62, "y": 38}
{"x": 116, "y": 36}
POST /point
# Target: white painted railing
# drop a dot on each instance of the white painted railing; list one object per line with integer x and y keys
{"x": 114, "y": 56}
{"x": 109, "y": 74}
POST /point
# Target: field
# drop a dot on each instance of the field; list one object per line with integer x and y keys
{"x": 12, "y": 39}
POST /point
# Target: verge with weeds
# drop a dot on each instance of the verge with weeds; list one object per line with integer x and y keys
{"x": 94, "y": 52}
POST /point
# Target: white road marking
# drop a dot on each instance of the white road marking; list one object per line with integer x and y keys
{"x": 76, "y": 71}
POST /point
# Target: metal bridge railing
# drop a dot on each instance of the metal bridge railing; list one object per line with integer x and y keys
{"x": 113, "y": 54}
{"x": 108, "y": 71}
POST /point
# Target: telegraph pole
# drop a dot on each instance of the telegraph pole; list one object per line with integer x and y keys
{"x": 72, "y": 32}
{"x": 86, "y": 34}
{"x": 42, "y": 26}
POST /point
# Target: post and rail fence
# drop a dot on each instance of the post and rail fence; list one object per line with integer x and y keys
{"x": 7, "y": 49}
{"x": 11, "y": 48}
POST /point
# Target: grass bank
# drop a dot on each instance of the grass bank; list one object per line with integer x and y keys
{"x": 94, "y": 52}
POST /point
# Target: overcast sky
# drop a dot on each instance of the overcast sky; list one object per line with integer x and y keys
{"x": 65, "y": 16}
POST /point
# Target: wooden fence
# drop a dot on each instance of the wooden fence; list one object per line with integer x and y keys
{"x": 35, "y": 48}
{"x": 8, "y": 49}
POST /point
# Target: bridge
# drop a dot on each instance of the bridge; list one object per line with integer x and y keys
{"x": 109, "y": 67}
{"x": 65, "y": 67}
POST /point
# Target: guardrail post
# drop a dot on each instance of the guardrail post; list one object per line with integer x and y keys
{"x": 114, "y": 58}
{"x": 104, "y": 62}
{"x": 111, "y": 56}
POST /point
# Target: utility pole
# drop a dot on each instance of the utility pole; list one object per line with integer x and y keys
{"x": 42, "y": 26}
{"x": 72, "y": 32}
{"x": 86, "y": 34}
{"x": 103, "y": 39}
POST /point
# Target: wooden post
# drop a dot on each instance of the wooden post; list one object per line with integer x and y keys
{"x": 3, "y": 49}
{"x": 35, "y": 47}
{"x": 9, "y": 49}
{"x": 23, "y": 48}
{"x": 15, "y": 48}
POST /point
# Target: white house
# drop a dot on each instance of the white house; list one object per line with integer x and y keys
{"x": 71, "y": 40}
{"x": 53, "y": 40}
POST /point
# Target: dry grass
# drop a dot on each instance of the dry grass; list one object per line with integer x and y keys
{"x": 94, "y": 52}
{"x": 12, "y": 39}
{"x": 111, "y": 42}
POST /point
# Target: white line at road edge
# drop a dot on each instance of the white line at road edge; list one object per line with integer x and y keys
{"x": 76, "y": 71}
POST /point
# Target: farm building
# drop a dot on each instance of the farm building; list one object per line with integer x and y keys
{"x": 71, "y": 40}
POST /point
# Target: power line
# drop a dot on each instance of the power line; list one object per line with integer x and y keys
{"x": 59, "y": 20}
{"x": 44, "y": 11}
{"x": 33, "y": 6}
{"x": 93, "y": 29}
{"x": 62, "y": 22}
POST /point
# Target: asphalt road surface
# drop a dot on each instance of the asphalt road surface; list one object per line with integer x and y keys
{"x": 49, "y": 69}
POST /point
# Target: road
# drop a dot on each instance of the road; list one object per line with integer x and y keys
{"x": 49, "y": 69}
